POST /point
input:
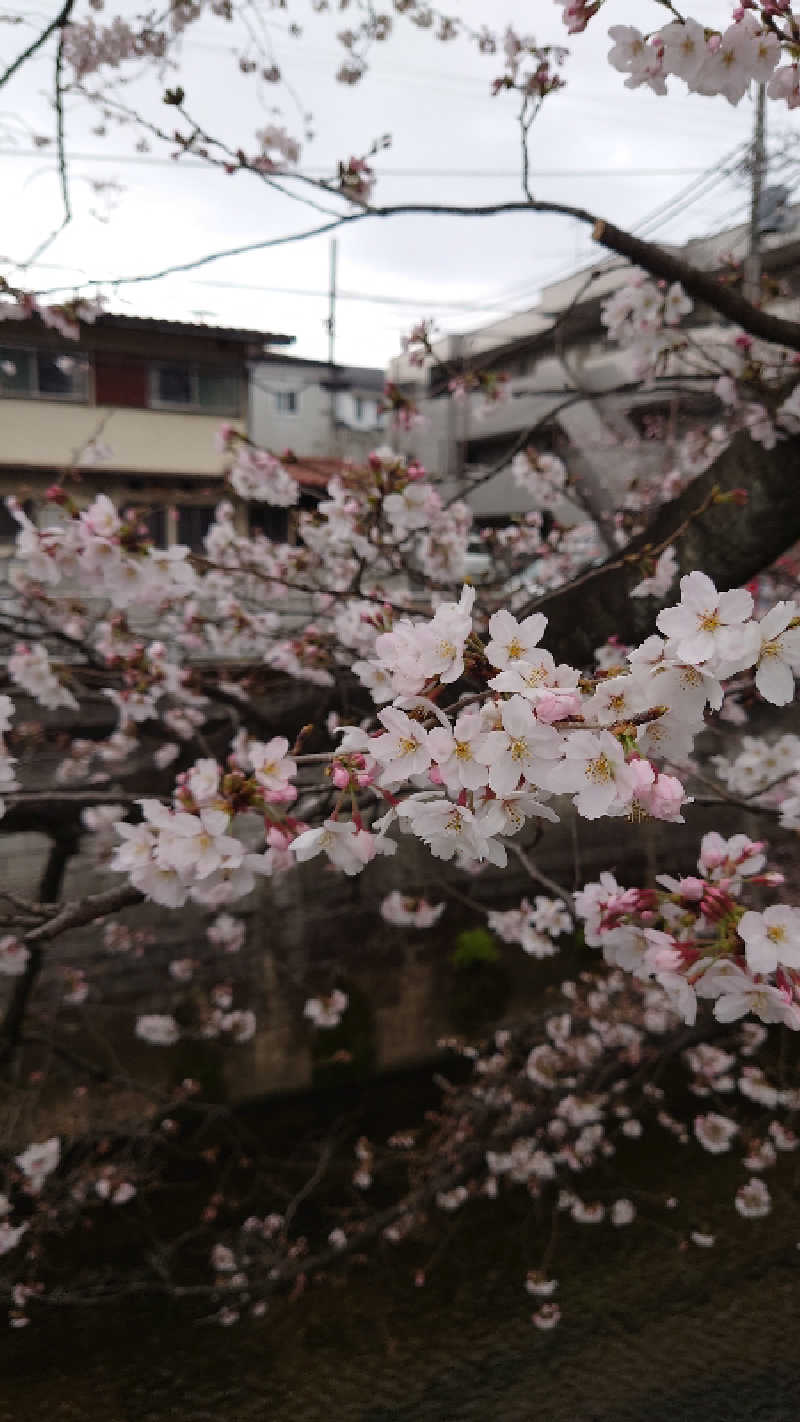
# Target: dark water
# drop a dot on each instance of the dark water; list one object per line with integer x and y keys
{"x": 649, "y": 1330}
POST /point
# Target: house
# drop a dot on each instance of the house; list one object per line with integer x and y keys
{"x": 131, "y": 409}
{"x": 315, "y": 409}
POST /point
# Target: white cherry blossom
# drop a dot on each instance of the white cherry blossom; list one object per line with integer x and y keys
{"x": 780, "y": 653}
{"x": 403, "y": 911}
{"x": 348, "y": 847}
{"x": 706, "y": 623}
{"x": 38, "y": 1161}
{"x": 523, "y": 748}
{"x": 404, "y": 751}
{"x": 771, "y": 938}
{"x": 594, "y": 767}
{"x": 456, "y": 753}
{"x": 714, "y": 1132}
{"x": 158, "y": 1029}
{"x": 326, "y": 1011}
{"x": 14, "y": 956}
{"x": 512, "y": 641}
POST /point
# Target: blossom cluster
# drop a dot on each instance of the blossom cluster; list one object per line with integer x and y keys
{"x": 186, "y": 851}
{"x": 712, "y": 62}
{"x": 760, "y": 765}
{"x": 697, "y": 939}
{"x": 534, "y": 926}
{"x": 643, "y": 316}
{"x": 465, "y": 781}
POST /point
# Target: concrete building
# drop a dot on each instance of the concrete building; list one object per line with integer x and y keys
{"x": 317, "y": 410}
{"x": 554, "y": 353}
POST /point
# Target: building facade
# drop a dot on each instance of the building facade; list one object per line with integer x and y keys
{"x": 317, "y": 410}
{"x": 554, "y": 355}
{"x": 131, "y": 409}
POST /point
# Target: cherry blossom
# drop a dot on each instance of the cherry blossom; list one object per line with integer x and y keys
{"x": 595, "y": 768}
{"x": 780, "y": 653}
{"x": 348, "y": 847}
{"x": 11, "y": 1235}
{"x": 158, "y": 1029}
{"x": 547, "y": 1317}
{"x": 661, "y": 579}
{"x": 512, "y": 641}
{"x": 523, "y": 748}
{"x": 771, "y": 938}
{"x": 38, "y": 1161}
{"x": 714, "y": 1132}
{"x": 14, "y": 956}
{"x": 753, "y": 1200}
{"x": 326, "y": 1011}
{"x": 30, "y": 668}
{"x": 707, "y": 623}
{"x": 403, "y": 911}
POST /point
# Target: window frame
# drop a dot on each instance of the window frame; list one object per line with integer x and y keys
{"x": 192, "y": 407}
{"x": 190, "y": 507}
{"x": 33, "y": 355}
{"x": 288, "y": 412}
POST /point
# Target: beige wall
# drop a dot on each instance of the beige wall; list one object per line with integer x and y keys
{"x": 49, "y": 434}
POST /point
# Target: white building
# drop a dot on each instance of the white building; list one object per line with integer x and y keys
{"x": 555, "y": 352}
{"x": 315, "y": 409}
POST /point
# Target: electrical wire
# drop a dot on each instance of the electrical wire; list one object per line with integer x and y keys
{"x": 152, "y": 161}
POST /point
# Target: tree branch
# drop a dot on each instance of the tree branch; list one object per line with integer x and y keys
{"x": 700, "y": 285}
{"x": 61, "y": 19}
{"x": 729, "y": 543}
{"x": 61, "y": 851}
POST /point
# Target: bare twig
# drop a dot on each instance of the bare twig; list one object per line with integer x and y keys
{"x": 700, "y": 285}
{"x": 61, "y": 19}
{"x": 543, "y": 879}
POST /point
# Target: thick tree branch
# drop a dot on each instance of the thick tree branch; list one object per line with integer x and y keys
{"x": 731, "y": 544}
{"x": 700, "y": 285}
{"x": 61, "y": 852}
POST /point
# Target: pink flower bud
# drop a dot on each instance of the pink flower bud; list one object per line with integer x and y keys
{"x": 557, "y": 706}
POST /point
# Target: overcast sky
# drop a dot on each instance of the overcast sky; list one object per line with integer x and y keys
{"x": 622, "y": 154}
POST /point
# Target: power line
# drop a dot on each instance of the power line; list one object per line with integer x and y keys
{"x": 667, "y": 211}
{"x": 374, "y": 299}
{"x": 152, "y": 161}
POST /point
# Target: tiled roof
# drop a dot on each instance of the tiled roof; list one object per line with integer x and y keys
{"x": 315, "y": 473}
{"x": 155, "y": 324}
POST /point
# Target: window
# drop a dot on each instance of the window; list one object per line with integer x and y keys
{"x": 194, "y": 521}
{"x": 287, "y": 402}
{"x": 49, "y": 376}
{"x": 174, "y": 385}
{"x": 155, "y": 521}
{"x": 270, "y": 520}
{"x": 190, "y": 387}
{"x": 359, "y": 407}
{"x": 9, "y": 528}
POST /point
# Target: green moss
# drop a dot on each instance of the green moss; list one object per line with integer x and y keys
{"x": 474, "y": 945}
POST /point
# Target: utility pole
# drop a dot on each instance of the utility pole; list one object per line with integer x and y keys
{"x": 758, "y": 167}
{"x": 331, "y": 325}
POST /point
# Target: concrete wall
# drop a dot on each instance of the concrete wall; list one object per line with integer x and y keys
{"x": 313, "y": 430}
{"x": 307, "y": 931}
{"x": 49, "y": 435}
